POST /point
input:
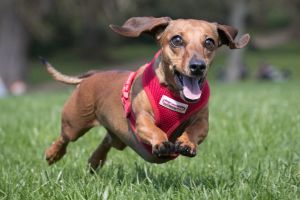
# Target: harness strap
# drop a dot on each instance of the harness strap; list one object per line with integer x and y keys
{"x": 126, "y": 94}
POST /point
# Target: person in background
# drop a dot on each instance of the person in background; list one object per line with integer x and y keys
{"x": 268, "y": 72}
{"x": 3, "y": 90}
{"x": 17, "y": 88}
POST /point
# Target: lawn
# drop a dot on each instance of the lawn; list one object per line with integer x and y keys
{"x": 252, "y": 152}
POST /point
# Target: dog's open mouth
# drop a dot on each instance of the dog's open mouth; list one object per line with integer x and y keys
{"x": 190, "y": 87}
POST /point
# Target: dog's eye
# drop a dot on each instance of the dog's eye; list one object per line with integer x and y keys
{"x": 176, "y": 41}
{"x": 209, "y": 44}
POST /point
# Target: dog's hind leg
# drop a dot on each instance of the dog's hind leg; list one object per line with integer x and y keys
{"x": 98, "y": 157}
{"x": 59, "y": 148}
{"x": 76, "y": 121}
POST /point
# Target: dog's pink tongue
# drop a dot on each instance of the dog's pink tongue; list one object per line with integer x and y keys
{"x": 191, "y": 88}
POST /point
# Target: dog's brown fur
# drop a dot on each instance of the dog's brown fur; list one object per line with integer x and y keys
{"x": 96, "y": 99}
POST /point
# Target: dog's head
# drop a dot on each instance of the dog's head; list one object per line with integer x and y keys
{"x": 188, "y": 48}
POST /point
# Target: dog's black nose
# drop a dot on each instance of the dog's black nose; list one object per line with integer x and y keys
{"x": 197, "y": 67}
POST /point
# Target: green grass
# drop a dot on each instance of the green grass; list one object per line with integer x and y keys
{"x": 252, "y": 152}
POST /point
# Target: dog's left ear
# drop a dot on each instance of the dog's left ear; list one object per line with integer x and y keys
{"x": 227, "y": 35}
{"x": 135, "y": 26}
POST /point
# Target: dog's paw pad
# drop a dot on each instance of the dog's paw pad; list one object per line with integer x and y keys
{"x": 164, "y": 149}
{"x": 185, "y": 149}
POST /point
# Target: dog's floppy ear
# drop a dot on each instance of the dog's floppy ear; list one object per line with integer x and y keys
{"x": 135, "y": 26}
{"x": 227, "y": 35}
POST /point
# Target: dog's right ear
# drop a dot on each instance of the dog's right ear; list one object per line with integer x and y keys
{"x": 135, "y": 26}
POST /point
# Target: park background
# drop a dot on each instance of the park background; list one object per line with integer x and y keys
{"x": 252, "y": 151}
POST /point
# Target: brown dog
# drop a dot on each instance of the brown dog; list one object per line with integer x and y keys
{"x": 188, "y": 47}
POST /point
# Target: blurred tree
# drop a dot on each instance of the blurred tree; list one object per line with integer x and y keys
{"x": 88, "y": 23}
{"x": 18, "y": 19}
{"x": 58, "y": 24}
{"x": 13, "y": 44}
{"x": 235, "y": 64}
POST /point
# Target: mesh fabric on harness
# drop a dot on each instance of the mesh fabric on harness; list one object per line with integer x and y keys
{"x": 169, "y": 109}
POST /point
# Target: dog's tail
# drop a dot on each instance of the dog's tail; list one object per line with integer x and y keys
{"x": 59, "y": 76}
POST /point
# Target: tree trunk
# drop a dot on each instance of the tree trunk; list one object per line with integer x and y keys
{"x": 235, "y": 61}
{"x": 13, "y": 45}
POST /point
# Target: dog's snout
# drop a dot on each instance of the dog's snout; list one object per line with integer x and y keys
{"x": 197, "y": 67}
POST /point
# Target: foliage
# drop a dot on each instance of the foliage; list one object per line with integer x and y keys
{"x": 84, "y": 24}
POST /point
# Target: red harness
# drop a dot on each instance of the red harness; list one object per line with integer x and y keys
{"x": 169, "y": 109}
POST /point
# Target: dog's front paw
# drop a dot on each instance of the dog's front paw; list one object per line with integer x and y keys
{"x": 185, "y": 149}
{"x": 163, "y": 149}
